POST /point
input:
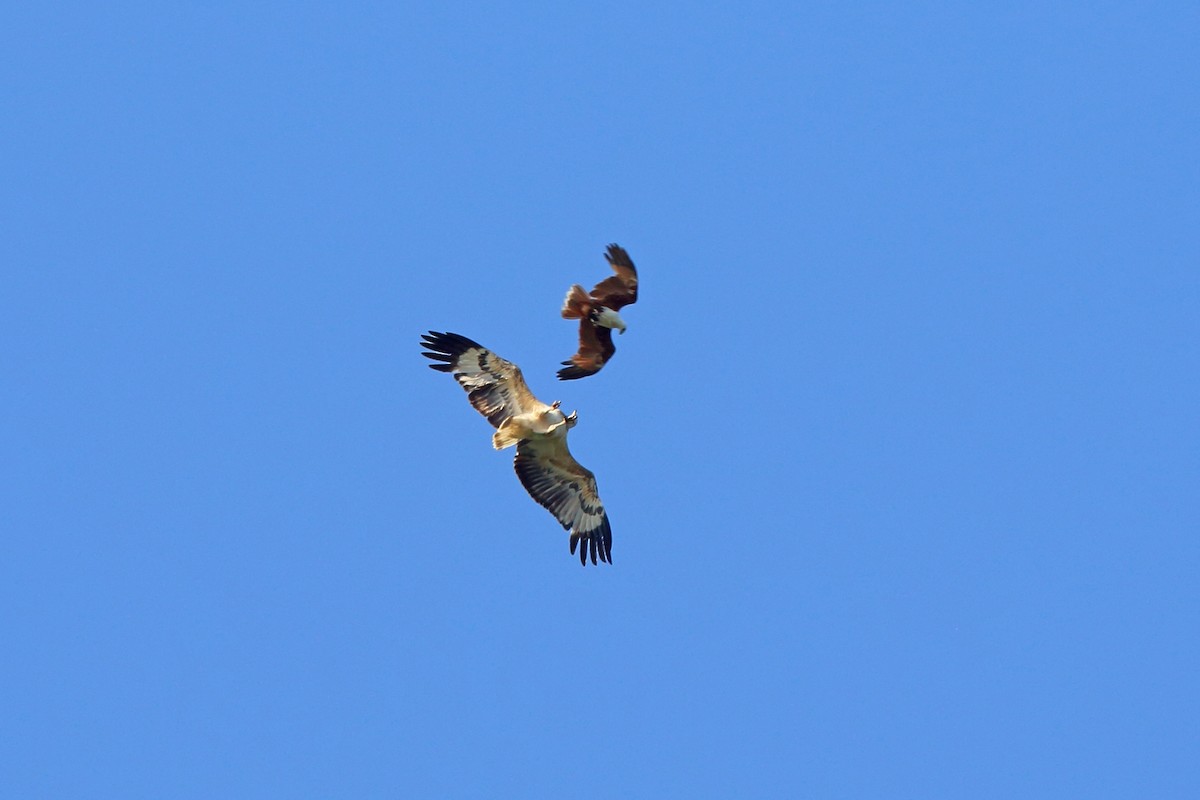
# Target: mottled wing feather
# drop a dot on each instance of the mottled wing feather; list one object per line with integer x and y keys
{"x": 620, "y": 290}
{"x": 595, "y": 349}
{"x": 559, "y": 483}
{"x": 494, "y": 386}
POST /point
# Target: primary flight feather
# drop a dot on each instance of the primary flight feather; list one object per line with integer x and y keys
{"x": 597, "y": 315}
{"x": 543, "y": 463}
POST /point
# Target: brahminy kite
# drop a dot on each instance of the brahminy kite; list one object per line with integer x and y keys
{"x": 597, "y": 315}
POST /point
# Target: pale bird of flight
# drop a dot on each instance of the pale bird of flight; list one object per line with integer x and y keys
{"x": 597, "y": 315}
{"x": 546, "y": 468}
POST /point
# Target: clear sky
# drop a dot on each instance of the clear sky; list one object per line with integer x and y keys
{"x": 901, "y": 449}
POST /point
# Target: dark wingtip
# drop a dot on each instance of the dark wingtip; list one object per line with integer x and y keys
{"x": 603, "y": 535}
{"x": 446, "y": 347}
{"x": 596, "y": 544}
{"x": 618, "y": 256}
{"x": 572, "y": 373}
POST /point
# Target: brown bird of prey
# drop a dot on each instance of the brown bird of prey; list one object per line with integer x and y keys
{"x": 597, "y": 315}
{"x": 546, "y": 468}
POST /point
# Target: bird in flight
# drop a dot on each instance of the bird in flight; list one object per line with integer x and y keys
{"x": 597, "y": 315}
{"x": 543, "y": 463}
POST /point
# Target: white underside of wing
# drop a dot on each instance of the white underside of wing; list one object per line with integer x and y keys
{"x": 560, "y": 482}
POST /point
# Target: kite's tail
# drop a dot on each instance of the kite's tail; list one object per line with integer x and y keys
{"x": 577, "y": 303}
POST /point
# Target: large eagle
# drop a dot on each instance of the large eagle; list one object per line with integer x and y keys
{"x": 549, "y": 473}
{"x": 597, "y": 315}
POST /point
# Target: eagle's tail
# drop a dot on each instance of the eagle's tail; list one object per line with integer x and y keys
{"x": 506, "y": 435}
{"x": 577, "y": 303}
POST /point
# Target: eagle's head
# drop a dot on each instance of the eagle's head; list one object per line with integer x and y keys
{"x": 570, "y": 419}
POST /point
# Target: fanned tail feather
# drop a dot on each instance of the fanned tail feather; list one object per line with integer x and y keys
{"x": 505, "y": 436}
{"x": 577, "y": 303}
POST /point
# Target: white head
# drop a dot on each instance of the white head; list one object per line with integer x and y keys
{"x": 607, "y": 318}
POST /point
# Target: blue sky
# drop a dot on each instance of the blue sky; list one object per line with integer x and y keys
{"x": 901, "y": 450}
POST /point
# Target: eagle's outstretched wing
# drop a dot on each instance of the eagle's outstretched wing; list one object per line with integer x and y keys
{"x": 595, "y": 348}
{"x": 557, "y": 481}
{"x": 620, "y": 290}
{"x": 544, "y": 465}
{"x": 494, "y": 386}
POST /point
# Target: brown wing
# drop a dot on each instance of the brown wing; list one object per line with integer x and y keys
{"x": 595, "y": 349}
{"x": 494, "y": 386}
{"x": 558, "y": 482}
{"x": 619, "y": 290}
